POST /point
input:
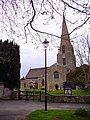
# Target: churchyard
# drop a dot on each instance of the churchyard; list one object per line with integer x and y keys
{"x": 58, "y": 96}
{"x": 78, "y": 92}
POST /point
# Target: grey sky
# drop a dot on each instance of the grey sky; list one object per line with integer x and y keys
{"x": 12, "y": 28}
{"x": 32, "y": 57}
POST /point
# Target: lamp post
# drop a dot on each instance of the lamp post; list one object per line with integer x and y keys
{"x": 45, "y": 43}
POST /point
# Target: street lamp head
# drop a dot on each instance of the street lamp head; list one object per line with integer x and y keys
{"x": 45, "y": 43}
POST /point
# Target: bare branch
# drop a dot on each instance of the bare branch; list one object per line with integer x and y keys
{"x": 82, "y": 11}
{"x": 32, "y": 20}
{"x": 80, "y": 25}
{"x": 23, "y": 15}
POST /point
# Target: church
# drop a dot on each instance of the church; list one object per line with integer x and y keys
{"x": 56, "y": 73}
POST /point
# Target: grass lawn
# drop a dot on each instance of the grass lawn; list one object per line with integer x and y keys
{"x": 81, "y": 92}
{"x": 57, "y": 115}
{"x": 74, "y": 92}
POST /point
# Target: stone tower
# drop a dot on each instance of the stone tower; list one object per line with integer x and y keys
{"x": 65, "y": 56}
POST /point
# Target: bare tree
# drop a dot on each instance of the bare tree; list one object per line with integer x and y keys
{"x": 83, "y": 50}
{"x": 30, "y": 18}
{"x": 83, "y": 55}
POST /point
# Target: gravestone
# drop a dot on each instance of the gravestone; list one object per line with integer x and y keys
{"x": 67, "y": 88}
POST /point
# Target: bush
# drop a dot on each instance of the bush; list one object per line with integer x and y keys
{"x": 81, "y": 112}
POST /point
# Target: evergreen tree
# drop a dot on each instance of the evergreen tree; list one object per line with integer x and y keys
{"x": 10, "y": 64}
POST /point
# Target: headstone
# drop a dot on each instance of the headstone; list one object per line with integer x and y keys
{"x": 67, "y": 88}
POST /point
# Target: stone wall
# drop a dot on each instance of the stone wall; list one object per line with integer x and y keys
{"x": 5, "y": 93}
{"x": 51, "y": 98}
{"x": 67, "y": 99}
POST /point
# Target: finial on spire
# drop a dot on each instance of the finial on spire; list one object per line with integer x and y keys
{"x": 63, "y": 17}
{"x": 64, "y": 10}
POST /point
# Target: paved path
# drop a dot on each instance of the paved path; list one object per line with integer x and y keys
{"x": 17, "y": 110}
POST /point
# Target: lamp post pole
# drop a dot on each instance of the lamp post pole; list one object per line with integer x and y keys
{"x": 45, "y": 46}
{"x": 45, "y": 79}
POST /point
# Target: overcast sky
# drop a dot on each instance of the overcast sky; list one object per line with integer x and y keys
{"x": 34, "y": 58}
{"x": 30, "y": 57}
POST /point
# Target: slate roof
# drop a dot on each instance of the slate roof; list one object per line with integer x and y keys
{"x": 35, "y": 73}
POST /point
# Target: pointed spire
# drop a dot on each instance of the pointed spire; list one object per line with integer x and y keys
{"x": 64, "y": 27}
{"x": 65, "y": 56}
{"x": 65, "y": 34}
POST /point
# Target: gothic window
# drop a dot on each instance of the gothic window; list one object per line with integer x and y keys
{"x": 31, "y": 87}
{"x": 56, "y": 74}
{"x": 36, "y": 85}
{"x": 24, "y": 85}
{"x": 56, "y": 86}
{"x": 43, "y": 82}
{"x": 64, "y": 61}
{"x": 63, "y": 49}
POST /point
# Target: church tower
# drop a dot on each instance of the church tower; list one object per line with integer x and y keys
{"x": 35, "y": 78}
{"x": 65, "y": 56}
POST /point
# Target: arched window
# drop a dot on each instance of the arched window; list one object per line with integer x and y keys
{"x": 56, "y": 74}
{"x": 42, "y": 82}
{"x": 64, "y": 61}
{"x": 63, "y": 49}
{"x": 36, "y": 85}
{"x": 56, "y": 86}
{"x": 24, "y": 85}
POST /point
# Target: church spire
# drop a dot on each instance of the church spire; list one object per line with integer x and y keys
{"x": 65, "y": 33}
{"x": 65, "y": 56}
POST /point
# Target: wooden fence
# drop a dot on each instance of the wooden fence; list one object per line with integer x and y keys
{"x": 40, "y": 96}
{"x": 26, "y": 95}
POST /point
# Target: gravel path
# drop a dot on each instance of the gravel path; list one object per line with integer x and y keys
{"x": 18, "y": 109}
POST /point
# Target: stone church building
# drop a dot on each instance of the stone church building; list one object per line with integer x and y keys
{"x": 56, "y": 73}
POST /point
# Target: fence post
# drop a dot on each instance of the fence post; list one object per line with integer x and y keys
{"x": 40, "y": 95}
{"x": 26, "y": 95}
{"x": 33, "y": 95}
{"x": 19, "y": 94}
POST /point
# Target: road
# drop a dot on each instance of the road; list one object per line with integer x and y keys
{"x": 18, "y": 109}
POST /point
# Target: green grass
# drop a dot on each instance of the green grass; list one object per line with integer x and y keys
{"x": 81, "y": 92}
{"x": 56, "y": 115}
{"x": 56, "y": 92}
{"x": 74, "y": 92}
